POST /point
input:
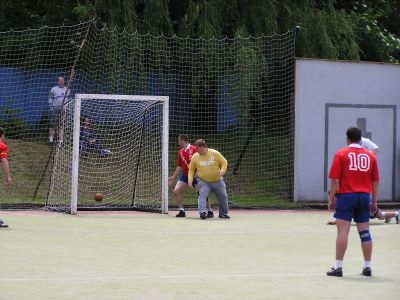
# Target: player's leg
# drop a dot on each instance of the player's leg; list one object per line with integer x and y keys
{"x": 361, "y": 217}
{"x": 56, "y": 116}
{"x": 52, "y": 127}
{"x": 178, "y": 192}
{"x": 343, "y": 214}
{"x": 100, "y": 149}
{"x": 204, "y": 190}
{"x": 343, "y": 228}
{"x": 219, "y": 189}
{"x": 2, "y": 224}
{"x": 366, "y": 246}
{"x": 388, "y": 215}
{"x": 83, "y": 148}
{"x": 210, "y": 213}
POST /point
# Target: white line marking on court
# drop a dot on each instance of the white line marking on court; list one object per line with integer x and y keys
{"x": 271, "y": 230}
{"x": 189, "y": 276}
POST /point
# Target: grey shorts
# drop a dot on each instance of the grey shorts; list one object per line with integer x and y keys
{"x": 54, "y": 117}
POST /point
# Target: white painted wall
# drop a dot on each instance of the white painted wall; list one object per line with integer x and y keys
{"x": 332, "y": 96}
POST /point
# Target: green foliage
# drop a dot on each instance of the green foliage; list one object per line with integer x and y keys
{"x": 376, "y": 41}
{"x": 332, "y": 29}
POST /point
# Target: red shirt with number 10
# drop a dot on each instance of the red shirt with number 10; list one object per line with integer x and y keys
{"x": 356, "y": 169}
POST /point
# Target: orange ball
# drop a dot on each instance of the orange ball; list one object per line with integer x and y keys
{"x": 98, "y": 197}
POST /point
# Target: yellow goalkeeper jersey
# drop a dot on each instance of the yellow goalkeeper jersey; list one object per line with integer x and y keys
{"x": 207, "y": 166}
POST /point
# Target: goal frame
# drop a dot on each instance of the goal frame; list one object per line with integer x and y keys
{"x": 75, "y": 146}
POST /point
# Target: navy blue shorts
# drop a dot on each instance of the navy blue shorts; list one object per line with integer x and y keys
{"x": 353, "y": 206}
{"x": 184, "y": 179}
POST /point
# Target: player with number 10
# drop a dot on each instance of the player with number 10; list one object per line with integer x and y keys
{"x": 354, "y": 176}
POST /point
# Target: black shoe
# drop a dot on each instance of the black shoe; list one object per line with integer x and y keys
{"x": 224, "y": 216}
{"x": 51, "y": 144}
{"x": 335, "y": 272}
{"x": 181, "y": 214}
{"x": 203, "y": 215}
{"x": 366, "y": 271}
{"x": 210, "y": 214}
{"x": 3, "y": 225}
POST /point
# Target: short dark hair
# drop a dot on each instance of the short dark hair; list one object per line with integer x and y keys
{"x": 184, "y": 137}
{"x": 354, "y": 134}
{"x": 200, "y": 143}
{"x": 2, "y": 131}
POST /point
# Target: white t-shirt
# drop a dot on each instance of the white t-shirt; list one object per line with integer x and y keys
{"x": 56, "y": 96}
{"x": 368, "y": 144}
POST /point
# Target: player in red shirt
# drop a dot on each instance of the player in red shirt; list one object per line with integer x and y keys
{"x": 182, "y": 165}
{"x": 354, "y": 176}
{"x": 4, "y": 164}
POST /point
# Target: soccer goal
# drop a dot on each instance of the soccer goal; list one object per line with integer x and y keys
{"x": 115, "y": 146}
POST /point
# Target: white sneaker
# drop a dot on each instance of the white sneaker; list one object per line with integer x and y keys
{"x": 105, "y": 152}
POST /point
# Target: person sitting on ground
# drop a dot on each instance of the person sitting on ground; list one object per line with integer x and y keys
{"x": 88, "y": 140}
{"x": 380, "y": 215}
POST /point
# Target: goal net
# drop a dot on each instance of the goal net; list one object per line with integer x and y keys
{"x": 115, "y": 146}
{"x": 236, "y": 93}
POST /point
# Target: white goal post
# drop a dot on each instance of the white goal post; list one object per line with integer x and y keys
{"x": 117, "y": 146}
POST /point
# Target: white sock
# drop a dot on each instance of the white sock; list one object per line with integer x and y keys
{"x": 182, "y": 209}
{"x": 339, "y": 264}
{"x": 210, "y": 209}
{"x": 367, "y": 264}
{"x": 51, "y": 138}
{"x": 396, "y": 213}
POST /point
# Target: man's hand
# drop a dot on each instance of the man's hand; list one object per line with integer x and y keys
{"x": 9, "y": 180}
{"x": 171, "y": 180}
{"x": 221, "y": 173}
{"x": 331, "y": 204}
{"x": 190, "y": 183}
{"x": 374, "y": 207}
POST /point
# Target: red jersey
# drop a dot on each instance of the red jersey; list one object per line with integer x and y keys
{"x": 184, "y": 158}
{"x": 356, "y": 169}
{"x": 3, "y": 150}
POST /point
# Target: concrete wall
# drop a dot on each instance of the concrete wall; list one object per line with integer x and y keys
{"x": 332, "y": 96}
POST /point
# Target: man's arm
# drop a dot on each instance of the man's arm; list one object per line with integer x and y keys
{"x": 51, "y": 98}
{"x": 6, "y": 168}
{"x": 369, "y": 145}
{"x": 332, "y": 194}
{"x": 177, "y": 171}
{"x": 192, "y": 169}
{"x": 224, "y": 164}
{"x": 375, "y": 151}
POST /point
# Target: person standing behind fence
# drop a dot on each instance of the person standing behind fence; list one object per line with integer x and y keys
{"x": 210, "y": 167}
{"x": 354, "y": 175}
{"x": 56, "y": 98}
{"x": 5, "y": 165}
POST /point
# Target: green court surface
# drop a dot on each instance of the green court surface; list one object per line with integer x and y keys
{"x": 254, "y": 255}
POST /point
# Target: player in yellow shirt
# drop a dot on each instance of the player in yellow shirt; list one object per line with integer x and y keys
{"x": 210, "y": 167}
